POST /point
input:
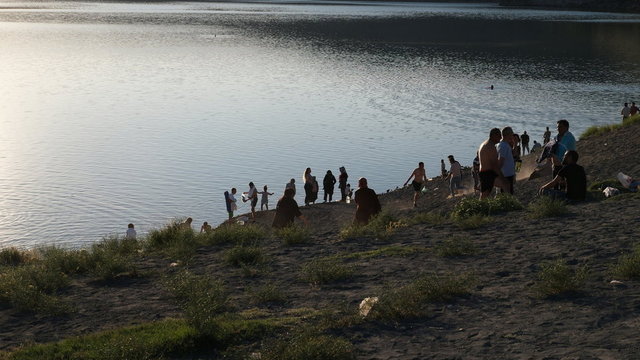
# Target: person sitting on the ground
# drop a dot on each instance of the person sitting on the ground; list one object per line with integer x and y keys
{"x": 367, "y": 203}
{"x": 455, "y": 175}
{"x": 286, "y": 211}
{"x": 572, "y": 175}
{"x": 186, "y": 225}
{"x": 131, "y": 232}
{"x": 205, "y": 227}
{"x": 536, "y": 146}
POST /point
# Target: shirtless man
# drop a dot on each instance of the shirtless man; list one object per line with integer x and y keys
{"x": 419, "y": 178}
{"x": 490, "y": 174}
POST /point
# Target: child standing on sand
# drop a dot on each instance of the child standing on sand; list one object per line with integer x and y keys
{"x": 264, "y": 200}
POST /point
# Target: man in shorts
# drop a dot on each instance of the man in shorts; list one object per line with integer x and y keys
{"x": 419, "y": 176}
{"x": 490, "y": 174}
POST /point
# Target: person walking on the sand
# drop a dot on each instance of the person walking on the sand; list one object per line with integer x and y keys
{"x": 419, "y": 176}
{"x": 328, "y": 184}
{"x": 455, "y": 175}
{"x": 367, "y": 203}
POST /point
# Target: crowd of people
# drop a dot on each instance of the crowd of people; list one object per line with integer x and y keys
{"x": 495, "y": 166}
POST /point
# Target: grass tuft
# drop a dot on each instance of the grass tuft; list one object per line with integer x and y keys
{"x": 32, "y": 288}
{"x": 544, "y": 207}
{"x": 411, "y": 300}
{"x": 557, "y": 278}
{"x": 381, "y": 227}
{"x": 235, "y": 234}
{"x": 324, "y": 271}
{"x": 240, "y": 256}
{"x": 472, "y": 222}
{"x": 470, "y": 206}
{"x": 431, "y": 218}
{"x": 13, "y": 256}
{"x": 310, "y": 346}
{"x": 268, "y": 293}
{"x": 599, "y": 130}
{"x": 293, "y": 235}
{"x": 628, "y": 266}
{"x": 456, "y": 246}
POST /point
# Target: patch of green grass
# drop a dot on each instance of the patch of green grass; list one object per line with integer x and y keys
{"x": 470, "y": 206}
{"x": 66, "y": 261}
{"x": 310, "y": 346}
{"x": 235, "y": 234}
{"x": 148, "y": 341}
{"x": 240, "y": 255}
{"x": 628, "y": 265}
{"x": 33, "y": 288}
{"x": 324, "y": 271}
{"x": 557, "y": 278}
{"x": 267, "y": 293}
{"x": 394, "y": 250}
{"x": 545, "y": 207}
{"x": 431, "y": 218}
{"x": 293, "y": 235}
{"x": 456, "y": 246}
{"x": 381, "y": 227}
{"x": 174, "y": 241}
{"x": 412, "y": 300}
{"x": 624, "y": 196}
{"x": 13, "y": 256}
{"x": 472, "y": 222}
{"x": 169, "y": 338}
{"x": 599, "y": 130}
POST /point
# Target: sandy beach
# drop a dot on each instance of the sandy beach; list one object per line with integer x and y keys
{"x": 500, "y": 318}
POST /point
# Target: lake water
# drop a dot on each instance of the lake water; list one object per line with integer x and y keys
{"x": 113, "y": 113}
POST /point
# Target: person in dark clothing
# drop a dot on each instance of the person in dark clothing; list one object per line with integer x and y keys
{"x": 525, "y": 143}
{"x": 286, "y": 211}
{"x": 308, "y": 186}
{"x": 572, "y": 175}
{"x": 367, "y": 203}
{"x": 328, "y": 183}
{"x": 342, "y": 183}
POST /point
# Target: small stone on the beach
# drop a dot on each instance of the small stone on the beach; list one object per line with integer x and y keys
{"x": 173, "y": 264}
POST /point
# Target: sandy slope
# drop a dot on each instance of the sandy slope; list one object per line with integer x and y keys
{"x": 500, "y": 319}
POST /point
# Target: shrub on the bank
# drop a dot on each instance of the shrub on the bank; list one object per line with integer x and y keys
{"x": 267, "y": 293}
{"x": 456, "y": 246}
{"x": 628, "y": 265}
{"x": 557, "y": 278}
{"x": 470, "y": 206}
{"x": 412, "y": 300}
{"x": 293, "y": 235}
{"x": 380, "y": 226}
{"x": 244, "y": 256}
{"x": 235, "y": 234}
{"x": 13, "y": 256}
{"x": 545, "y": 207}
{"x": 32, "y": 288}
{"x": 324, "y": 271}
{"x": 603, "y": 129}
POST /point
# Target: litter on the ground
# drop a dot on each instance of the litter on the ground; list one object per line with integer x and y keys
{"x": 367, "y": 304}
{"x": 610, "y": 191}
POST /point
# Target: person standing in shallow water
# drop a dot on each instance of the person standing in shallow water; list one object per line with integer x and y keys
{"x": 308, "y": 186}
{"x": 419, "y": 176}
{"x": 342, "y": 183}
{"x": 328, "y": 184}
{"x": 367, "y": 203}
